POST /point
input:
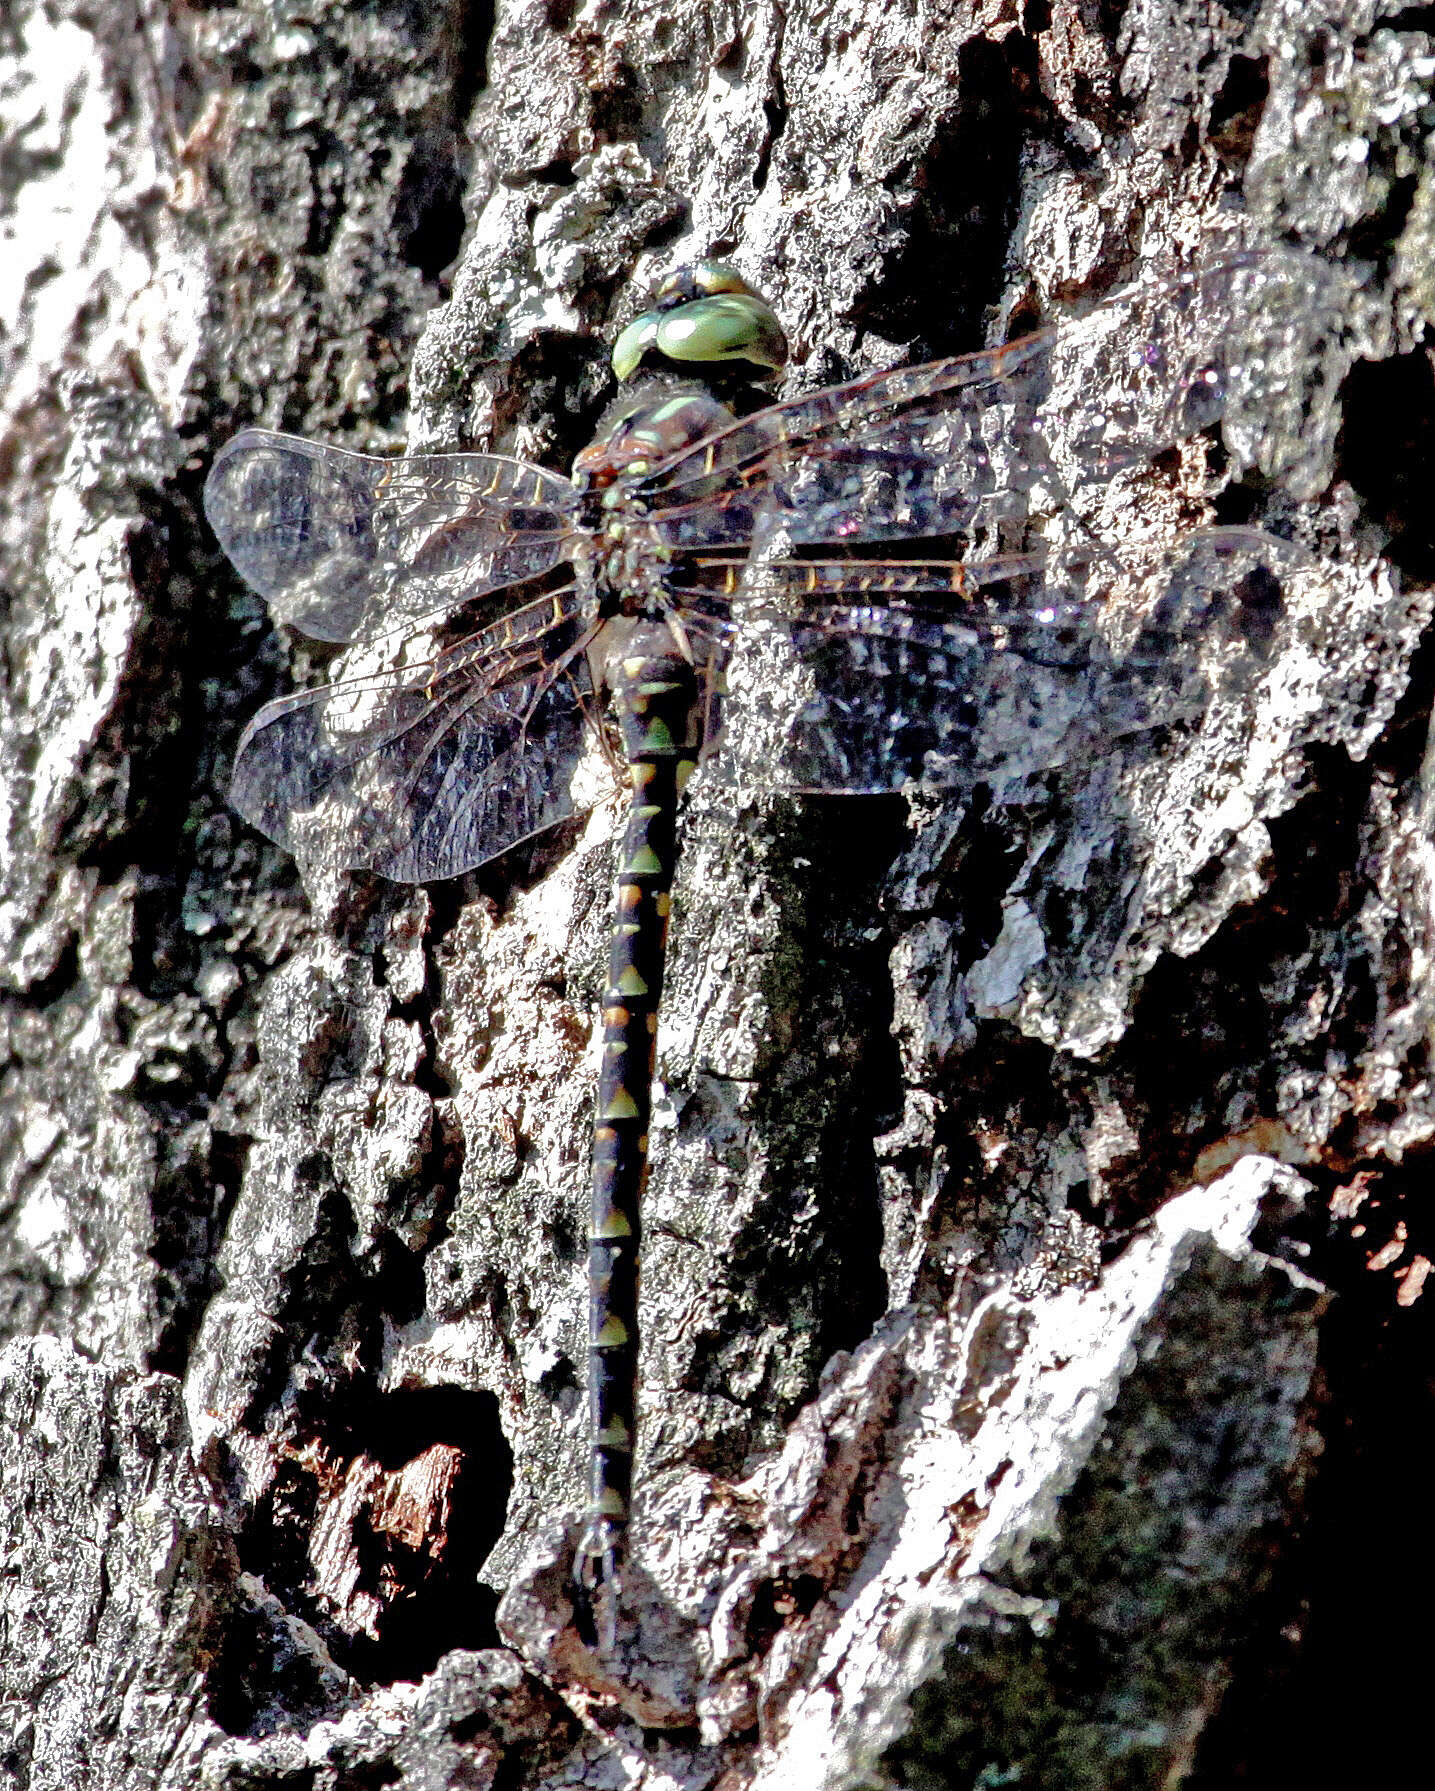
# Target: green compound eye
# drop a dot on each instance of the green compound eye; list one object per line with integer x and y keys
{"x": 730, "y": 323}
{"x": 635, "y": 341}
{"x": 734, "y": 327}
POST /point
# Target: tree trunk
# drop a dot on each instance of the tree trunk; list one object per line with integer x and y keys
{"x": 1034, "y": 1193}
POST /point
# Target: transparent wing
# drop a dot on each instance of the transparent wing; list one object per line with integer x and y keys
{"x": 962, "y": 444}
{"x": 346, "y": 545}
{"x": 1035, "y": 603}
{"x": 1051, "y": 607}
{"x": 865, "y": 689}
{"x": 427, "y": 770}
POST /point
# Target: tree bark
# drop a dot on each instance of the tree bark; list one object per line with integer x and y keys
{"x": 1033, "y": 1260}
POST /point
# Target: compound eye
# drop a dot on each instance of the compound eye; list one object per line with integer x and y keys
{"x": 703, "y": 313}
{"x": 635, "y": 342}
{"x": 727, "y": 327}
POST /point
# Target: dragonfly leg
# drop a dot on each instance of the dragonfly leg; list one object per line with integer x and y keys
{"x": 551, "y": 675}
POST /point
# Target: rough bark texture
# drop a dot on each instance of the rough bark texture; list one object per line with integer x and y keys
{"x": 1008, "y": 1156}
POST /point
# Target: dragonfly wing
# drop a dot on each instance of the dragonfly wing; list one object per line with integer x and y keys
{"x": 962, "y": 444}
{"x": 425, "y": 773}
{"x": 346, "y": 545}
{"x": 1050, "y": 662}
{"x": 1053, "y": 607}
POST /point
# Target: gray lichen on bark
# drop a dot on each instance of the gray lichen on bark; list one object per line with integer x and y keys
{"x": 974, "y": 1419}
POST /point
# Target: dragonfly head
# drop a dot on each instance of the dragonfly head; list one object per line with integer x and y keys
{"x": 705, "y": 314}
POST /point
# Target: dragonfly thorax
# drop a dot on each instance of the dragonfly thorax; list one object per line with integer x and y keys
{"x": 643, "y": 432}
{"x": 627, "y": 574}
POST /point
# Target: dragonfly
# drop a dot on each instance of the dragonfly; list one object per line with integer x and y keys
{"x": 713, "y": 584}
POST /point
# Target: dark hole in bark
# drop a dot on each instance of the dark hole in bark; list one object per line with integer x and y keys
{"x": 1371, "y": 237}
{"x": 428, "y": 209}
{"x": 1338, "y": 1636}
{"x": 949, "y": 271}
{"x": 372, "y": 1534}
{"x": 778, "y": 1603}
{"x": 1236, "y": 112}
{"x": 428, "y": 212}
{"x": 986, "y": 855}
{"x": 1413, "y": 18}
{"x": 1387, "y": 452}
{"x": 192, "y": 1200}
{"x": 438, "y": 1602}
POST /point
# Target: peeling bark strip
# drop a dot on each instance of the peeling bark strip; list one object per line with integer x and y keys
{"x": 911, "y": 1364}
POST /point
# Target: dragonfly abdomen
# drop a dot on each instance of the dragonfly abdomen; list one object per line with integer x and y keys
{"x": 655, "y": 698}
